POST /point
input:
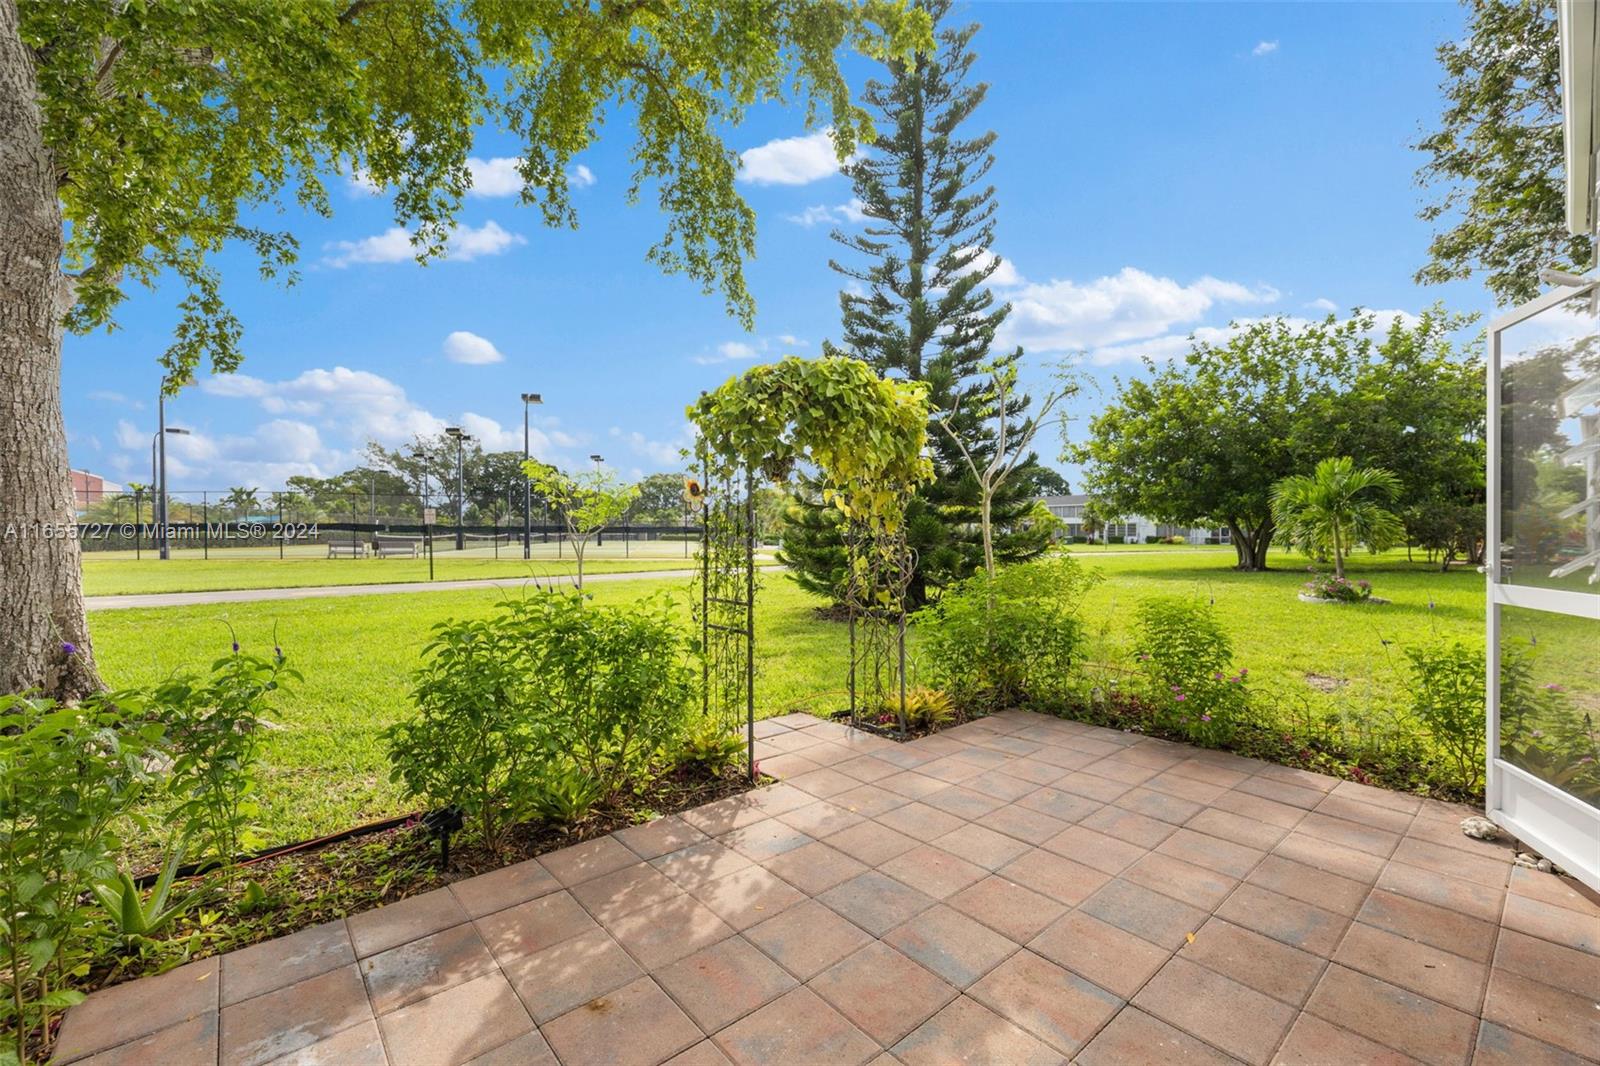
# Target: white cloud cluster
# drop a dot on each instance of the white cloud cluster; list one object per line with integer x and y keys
{"x": 394, "y": 245}
{"x": 790, "y": 160}
{"x": 851, "y": 211}
{"x": 1264, "y": 48}
{"x": 494, "y": 177}
{"x": 662, "y": 453}
{"x": 471, "y": 349}
{"x": 746, "y": 350}
{"x": 581, "y": 177}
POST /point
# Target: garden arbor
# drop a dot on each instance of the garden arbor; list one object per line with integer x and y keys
{"x": 867, "y": 436}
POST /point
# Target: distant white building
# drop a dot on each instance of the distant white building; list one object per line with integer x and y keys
{"x": 1131, "y": 529}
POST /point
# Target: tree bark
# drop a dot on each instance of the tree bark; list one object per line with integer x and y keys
{"x": 45, "y": 644}
{"x": 1250, "y": 545}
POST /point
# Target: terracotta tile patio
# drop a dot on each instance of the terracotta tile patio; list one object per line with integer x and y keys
{"x": 1015, "y": 890}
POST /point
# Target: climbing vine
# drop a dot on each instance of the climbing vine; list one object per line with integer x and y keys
{"x": 867, "y": 437}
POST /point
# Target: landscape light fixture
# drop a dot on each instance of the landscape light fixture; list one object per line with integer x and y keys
{"x": 528, "y": 400}
{"x": 597, "y": 459}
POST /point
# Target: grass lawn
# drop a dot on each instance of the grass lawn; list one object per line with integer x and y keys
{"x": 326, "y": 768}
{"x": 119, "y": 573}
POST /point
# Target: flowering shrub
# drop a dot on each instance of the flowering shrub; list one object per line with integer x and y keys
{"x": 1330, "y": 587}
{"x": 1447, "y": 696}
{"x": 1185, "y": 659}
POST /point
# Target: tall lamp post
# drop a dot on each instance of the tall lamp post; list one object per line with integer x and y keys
{"x": 158, "y": 478}
{"x": 597, "y": 460}
{"x": 528, "y": 400}
{"x": 461, "y": 438}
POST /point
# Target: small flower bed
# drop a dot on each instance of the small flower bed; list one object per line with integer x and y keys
{"x": 1340, "y": 589}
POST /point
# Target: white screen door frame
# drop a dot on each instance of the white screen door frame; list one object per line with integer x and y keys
{"x": 1559, "y": 825}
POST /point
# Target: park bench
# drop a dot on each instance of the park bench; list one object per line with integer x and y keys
{"x": 353, "y": 551}
{"x": 385, "y": 547}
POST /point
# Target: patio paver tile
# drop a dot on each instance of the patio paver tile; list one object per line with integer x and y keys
{"x": 815, "y": 868}
{"x": 1094, "y": 848}
{"x": 1134, "y": 1038}
{"x": 1429, "y": 886}
{"x": 1060, "y": 804}
{"x": 1355, "y": 835}
{"x": 807, "y": 939}
{"x": 882, "y": 992}
{"x": 872, "y": 842}
{"x": 637, "y": 1025}
{"x": 1427, "y": 971}
{"x": 1012, "y": 910}
{"x": 797, "y": 1027}
{"x": 968, "y": 1032}
{"x": 1128, "y": 826}
{"x": 1569, "y": 1019}
{"x": 1314, "y": 1042}
{"x": 1144, "y": 913}
{"x": 788, "y": 766}
{"x": 718, "y": 985}
{"x": 1550, "y": 922}
{"x": 275, "y": 963}
{"x": 869, "y": 801}
{"x": 704, "y": 1053}
{"x": 764, "y": 839}
{"x": 1307, "y": 884}
{"x": 951, "y": 945}
{"x": 1051, "y": 875}
{"x": 659, "y": 837}
{"x": 933, "y": 871}
{"x": 1110, "y": 957}
{"x": 1129, "y": 772}
{"x": 562, "y": 976}
{"x": 981, "y": 846}
{"x": 1266, "y": 965}
{"x": 963, "y": 802}
{"x": 137, "y": 1009}
{"x": 425, "y": 967}
{"x": 1440, "y": 927}
{"x": 727, "y": 813}
{"x": 1158, "y": 805}
{"x": 665, "y": 932}
{"x": 1057, "y": 1006}
{"x": 1363, "y": 812}
{"x": 868, "y": 768}
{"x": 1214, "y": 853}
{"x": 1001, "y": 785}
{"x": 190, "y": 1043}
{"x": 1267, "y": 811}
{"x": 378, "y": 930}
{"x": 1280, "y": 792}
{"x": 1381, "y": 1012}
{"x": 822, "y": 817}
{"x": 747, "y": 897}
{"x": 534, "y": 925}
{"x": 822, "y": 782}
{"x": 620, "y": 891}
{"x": 1219, "y": 1010}
{"x": 919, "y": 820}
{"x": 1185, "y": 787}
{"x": 1251, "y": 832}
{"x": 504, "y": 888}
{"x": 1305, "y": 847}
{"x": 1298, "y": 924}
{"x": 1024, "y": 824}
{"x": 1181, "y": 880}
{"x": 700, "y": 863}
{"x": 1091, "y": 786}
{"x": 359, "y": 1045}
{"x": 1499, "y": 1046}
{"x": 876, "y": 902}
{"x": 583, "y": 862}
{"x": 912, "y": 784}
{"x": 1541, "y": 960}
{"x": 287, "y": 1019}
{"x": 529, "y": 1049}
{"x": 1548, "y": 888}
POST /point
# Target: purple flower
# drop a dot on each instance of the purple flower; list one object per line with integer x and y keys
{"x": 1205, "y": 718}
{"x": 1180, "y": 697}
{"x": 1177, "y": 688}
{"x": 236, "y": 645}
{"x": 1217, "y": 676}
{"x": 277, "y": 653}
{"x": 68, "y": 648}
{"x": 1243, "y": 671}
{"x": 1552, "y": 687}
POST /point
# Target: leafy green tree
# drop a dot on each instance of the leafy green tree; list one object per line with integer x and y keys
{"x": 917, "y": 305}
{"x": 138, "y": 140}
{"x": 1496, "y": 159}
{"x": 660, "y": 501}
{"x": 813, "y": 542}
{"x": 1330, "y": 511}
{"x": 588, "y": 502}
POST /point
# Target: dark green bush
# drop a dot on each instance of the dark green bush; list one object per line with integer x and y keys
{"x": 995, "y": 643}
{"x": 1186, "y": 660}
{"x": 1448, "y": 696}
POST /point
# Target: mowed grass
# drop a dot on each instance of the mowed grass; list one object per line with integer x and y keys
{"x": 119, "y": 573}
{"x": 326, "y": 768}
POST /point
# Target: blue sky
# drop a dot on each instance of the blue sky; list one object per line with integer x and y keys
{"x": 1161, "y": 169}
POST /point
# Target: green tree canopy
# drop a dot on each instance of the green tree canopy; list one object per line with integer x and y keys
{"x": 1328, "y": 512}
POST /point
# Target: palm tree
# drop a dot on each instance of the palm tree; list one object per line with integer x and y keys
{"x": 241, "y": 499}
{"x": 1337, "y": 506}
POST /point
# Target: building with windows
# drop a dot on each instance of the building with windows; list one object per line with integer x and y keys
{"x": 1128, "y": 529}
{"x": 89, "y": 489}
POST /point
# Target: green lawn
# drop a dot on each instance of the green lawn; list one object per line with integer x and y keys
{"x": 327, "y": 769}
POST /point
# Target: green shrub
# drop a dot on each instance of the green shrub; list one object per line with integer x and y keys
{"x": 1448, "y": 696}
{"x": 1186, "y": 661}
{"x": 707, "y": 746}
{"x": 995, "y": 643}
{"x": 69, "y": 776}
{"x": 214, "y": 725}
{"x": 1544, "y": 730}
{"x": 565, "y": 795}
{"x": 547, "y": 682}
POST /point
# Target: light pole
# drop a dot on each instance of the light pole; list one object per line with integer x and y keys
{"x": 427, "y": 527}
{"x": 158, "y": 478}
{"x": 461, "y": 438}
{"x": 528, "y": 400}
{"x": 597, "y": 459}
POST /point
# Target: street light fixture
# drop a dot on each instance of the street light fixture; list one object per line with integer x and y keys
{"x": 461, "y": 438}
{"x": 158, "y": 478}
{"x": 528, "y": 400}
{"x": 597, "y": 459}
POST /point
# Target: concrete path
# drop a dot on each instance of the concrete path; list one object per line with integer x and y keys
{"x": 1017, "y": 890}
{"x": 189, "y": 599}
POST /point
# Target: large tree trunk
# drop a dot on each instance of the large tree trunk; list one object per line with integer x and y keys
{"x": 1250, "y": 544}
{"x": 45, "y": 642}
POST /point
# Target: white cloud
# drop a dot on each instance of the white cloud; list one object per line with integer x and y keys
{"x": 494, "y": 177}
{"x": 790, "y": 160}
{"x": 667, "y": 453}
{"x": 1322, "y": 303}
{"x": 1065, "y": 315}
{"x": 744, "y": 351}
{"x": 1005, "y": 275}
{"x": 581, "y": 176}
{"x": 394, "y": 245}
{"x": 850, "y": 211}
{"x": 118, "y": 399}
{"x": 471, "y": 349}
{"x": 1264, "y": 48}
{"x": 1174, "y": 345}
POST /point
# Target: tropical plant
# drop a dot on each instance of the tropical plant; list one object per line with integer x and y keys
{"x": 708, "y": 746}
{"x": 214, "y": 726}
{"x": 997, "y": 642}
{"x": 70, "y": 776}
{"x": 564, "y": 795}
{"x": 1186, "y": 660}
{"x": 1448, "y": 696}
{"x": 588, "y": 502}
{"x": 1328, "y": 512}
{"x": 926, "y": 709}
{"x": 1332, "y": 587}
{"x": 134, "y": 915}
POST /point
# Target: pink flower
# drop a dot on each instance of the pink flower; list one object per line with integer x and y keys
{"x": 1205, "y": 718}
{"x": 1180, "y": 697}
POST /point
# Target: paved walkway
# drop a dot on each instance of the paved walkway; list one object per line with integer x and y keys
{"x": 1017, "y": 890}
{"x": 187, "y": 599}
